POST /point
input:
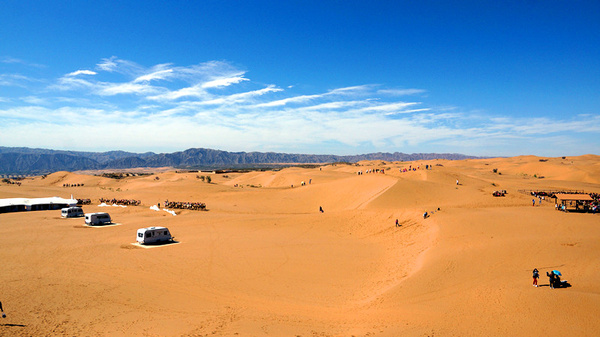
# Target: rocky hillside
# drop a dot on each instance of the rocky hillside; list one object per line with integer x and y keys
{"x": 40, "y": 161}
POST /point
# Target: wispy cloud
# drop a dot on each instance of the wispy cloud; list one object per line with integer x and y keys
{"x": 114, "y": 64}
{"x": 158, "y": 72}
{"x": 109, "y": 89}
{"x": 15, "y": 80}
{"x": 81, "y": 72}
{"x": 401, "y": 92}
{"x": 215, "y": 104}
{"x": 12, "y": 60}
{"x": 224, "y": 82}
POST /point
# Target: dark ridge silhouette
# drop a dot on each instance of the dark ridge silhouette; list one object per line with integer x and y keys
{"x": 24, "y": 160}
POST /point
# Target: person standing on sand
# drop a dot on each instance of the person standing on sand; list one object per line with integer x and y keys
{"x": 551, "y": 279}
{"x": 533, "y": 201}
{"x": 2, "y": 310}
{"x": 397, "y": 223}
{"x": 321, "y": 209}
{"x": 536, "y": 275}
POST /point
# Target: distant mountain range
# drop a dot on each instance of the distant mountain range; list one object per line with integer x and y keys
{"x": 23, "y": 160}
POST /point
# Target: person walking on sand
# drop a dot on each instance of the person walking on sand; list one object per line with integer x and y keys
{"x": 397, "y": 223}
{"x": 456, "y": 181}
{"x": 533, "y": 201}
{"x": 536, "y": 275}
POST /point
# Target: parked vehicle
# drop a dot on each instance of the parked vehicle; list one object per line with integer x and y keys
{"x": 71, "y": 212}
{"x": 97, "y": 219}
{"x": 153, "y": 235}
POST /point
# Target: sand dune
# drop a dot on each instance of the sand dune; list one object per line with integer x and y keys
{"x": 263, "y": 261}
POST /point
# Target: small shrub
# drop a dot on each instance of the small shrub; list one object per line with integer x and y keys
{"x": 495, "y": 170}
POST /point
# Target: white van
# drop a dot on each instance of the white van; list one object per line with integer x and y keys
{"x": 97, "y": 218}
{"x": 71, "y": 212}
{"x": 153, "y": 235}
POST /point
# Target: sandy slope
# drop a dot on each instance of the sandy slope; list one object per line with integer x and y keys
{"x": 264, "y": 262}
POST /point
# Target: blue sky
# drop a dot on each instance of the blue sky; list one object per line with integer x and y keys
{"x": 482, "y": 78}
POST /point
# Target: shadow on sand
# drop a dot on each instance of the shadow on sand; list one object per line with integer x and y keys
{"x": 150, "y": 245}
{"x": 11, "y": 324}
{"x": 562, "y": 284}
{"x": 165, "y": 243}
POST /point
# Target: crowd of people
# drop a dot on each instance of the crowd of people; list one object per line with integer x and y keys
{"x": 194, "y": 206}
{"x": 586, "y": 206}
{"x": 125, "y": 202}
{"x": 553, "y": 279}
{"x": 84, "y": 201}
{"x": 414, "y": 168}
{"x": 499, "y": 193}
{"x": 72, "y": 185}
{"x": 382, "y": 171}
{"x": 552, "y": 193}
{"x": 11, "y": 182}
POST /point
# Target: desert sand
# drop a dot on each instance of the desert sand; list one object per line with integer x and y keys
{"x": 263, "y": 261}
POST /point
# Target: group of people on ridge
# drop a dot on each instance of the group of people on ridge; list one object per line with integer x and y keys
{"x": 553, "y": 277}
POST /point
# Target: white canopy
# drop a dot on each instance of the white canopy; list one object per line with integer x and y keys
{"x": 28, "y": 202}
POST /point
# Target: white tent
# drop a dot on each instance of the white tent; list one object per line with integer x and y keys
{"x": 35, "y": 204}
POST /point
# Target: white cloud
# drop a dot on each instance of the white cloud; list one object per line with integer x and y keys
{"x": 244, "y": 97}
{"x": 126, "y": 88}
{"x": 224, "y": 82}
{"x": 195, "y": 91}
{"x": 108, "y": 64}
{"x": 401, "y": 92}
{"x": 12, "y": 60}
{"x": 296, "y": 99}
{"x": 114, "y": 64}
{"x": 82, "y": 72}
{"x": 158, "y": 72}
{"x": 72, "y": 83}
{"x": 389, "y": 108}
{"x": 34, "y": 100}
{"x": 214, "y": 104}
{"x": 15, "y": 80}
{"x": 354, "y": 90}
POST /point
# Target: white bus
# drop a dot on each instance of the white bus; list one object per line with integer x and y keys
{"x": 153, "y": 235}
{"x": 71, "y": 212}
{"x": 97, "y": 218}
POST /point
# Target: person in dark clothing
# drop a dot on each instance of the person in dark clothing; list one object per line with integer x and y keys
{"x": 2, "y": 310}
{"x": 536, "y": 275}
{"x": 321, "y": 209}
{"x": 551, "y": 278}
